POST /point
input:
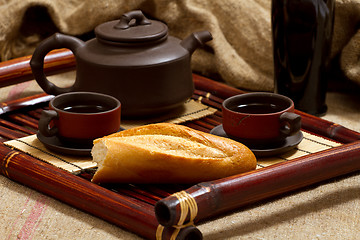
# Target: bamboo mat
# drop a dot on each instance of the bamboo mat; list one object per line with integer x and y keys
{"x": 310, "y": 144}
{"x": 32, "y": 146}
{"x": 190, "y": 110}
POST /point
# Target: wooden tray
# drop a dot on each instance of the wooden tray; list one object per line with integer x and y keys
{"x": 133, "y": 206}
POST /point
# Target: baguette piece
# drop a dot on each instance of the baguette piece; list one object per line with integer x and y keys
{"x": 168, "y": 153}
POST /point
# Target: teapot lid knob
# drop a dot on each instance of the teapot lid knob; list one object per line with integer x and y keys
{"x": 133, "y": 27}
{"x": 126, "y": 20}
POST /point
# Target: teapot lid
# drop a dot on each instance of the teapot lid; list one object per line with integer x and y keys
{"x": 133, "y": 27}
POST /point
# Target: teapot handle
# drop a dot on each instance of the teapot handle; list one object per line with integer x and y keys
{"x": 57, "y": 40}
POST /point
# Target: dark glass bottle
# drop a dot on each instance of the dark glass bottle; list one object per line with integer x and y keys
{"x": 302, "y": 33}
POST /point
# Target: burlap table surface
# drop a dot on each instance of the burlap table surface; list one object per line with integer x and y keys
{"x": 241, "y": 55}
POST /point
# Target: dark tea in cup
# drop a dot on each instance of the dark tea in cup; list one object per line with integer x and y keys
{"x": 255, "y": 108}
{"x": 85, "y": 108}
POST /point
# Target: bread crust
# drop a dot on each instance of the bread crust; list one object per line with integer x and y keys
{"x": 168, "y": 153}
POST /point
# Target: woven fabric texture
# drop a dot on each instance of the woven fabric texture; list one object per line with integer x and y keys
{"x": 240, "y": 53}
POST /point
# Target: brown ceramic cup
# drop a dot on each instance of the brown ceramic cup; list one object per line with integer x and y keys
{"x": 80, "y": 117}
{"x": 260, "y": 118}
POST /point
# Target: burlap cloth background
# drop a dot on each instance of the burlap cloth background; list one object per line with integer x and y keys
{"x": 240, "y": 54}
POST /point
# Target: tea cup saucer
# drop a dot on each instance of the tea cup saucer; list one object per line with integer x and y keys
{"x": 289, "y": 143}
{"x": 54, "y": 144}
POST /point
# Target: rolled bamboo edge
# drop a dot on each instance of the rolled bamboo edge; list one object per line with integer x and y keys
{"x": 220, "y": 196}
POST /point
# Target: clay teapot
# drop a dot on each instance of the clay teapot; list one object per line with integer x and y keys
{"x": 132, "y": 59}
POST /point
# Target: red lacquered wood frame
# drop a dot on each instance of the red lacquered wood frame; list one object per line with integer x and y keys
{"x": 132, "y": 207}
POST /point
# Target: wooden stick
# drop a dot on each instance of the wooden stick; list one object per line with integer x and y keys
{"x": 328, "y": 129}
{"x": 208, "y": 102}
{"x": 24, "y": 120}
{"x": 18, "y": 70}
{"x": 10, "y": 134}
{"x": 219, "y": 196}
{"x": 208, "y": 95}
{"x": 212, "y": 122}
{"x": 16, "y": 127}
{"x": 218, "y": 89}
{"x": 24, "y": 102}
{"x": 196, "y": 126}
{"x": 35, "y": 114}
{"x": 126, "y": 190}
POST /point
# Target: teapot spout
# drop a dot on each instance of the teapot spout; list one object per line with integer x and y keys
{"x": 195, "y": 40}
